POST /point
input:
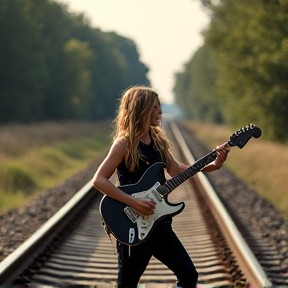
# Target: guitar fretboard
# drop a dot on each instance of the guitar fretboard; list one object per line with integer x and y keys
{"x": 174, "y": 182}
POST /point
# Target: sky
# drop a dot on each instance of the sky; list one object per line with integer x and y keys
{"x": 166, "y": 32}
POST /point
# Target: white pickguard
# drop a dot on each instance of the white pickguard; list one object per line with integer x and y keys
{"x": 145, "y": 223}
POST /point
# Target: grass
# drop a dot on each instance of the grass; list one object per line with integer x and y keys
{"x": 39, "y": 156}
{"x": 261, "y": 164}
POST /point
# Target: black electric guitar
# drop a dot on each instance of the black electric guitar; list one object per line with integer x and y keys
{"x": 130, "y": 228}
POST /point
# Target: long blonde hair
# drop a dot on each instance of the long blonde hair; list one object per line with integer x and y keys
{"x": 136, "y": 106}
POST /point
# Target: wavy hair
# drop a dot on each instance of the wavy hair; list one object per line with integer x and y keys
{"x": 136, "y": 106}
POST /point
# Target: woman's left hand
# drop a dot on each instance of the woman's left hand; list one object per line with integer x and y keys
{"x": 222, "y": 152}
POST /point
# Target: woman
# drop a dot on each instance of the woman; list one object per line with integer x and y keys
{"x": 138, "y": 143}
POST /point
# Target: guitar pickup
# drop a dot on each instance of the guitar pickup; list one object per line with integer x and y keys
{"x": 131, "y": 214}
{"x": 156, "y": 194}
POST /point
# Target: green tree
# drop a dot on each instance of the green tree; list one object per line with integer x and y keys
{"x": 56, "y": 29}
{"x": 181, "y": 88}
{"x": 125, "y": 50}
{"x": 250, "y": 41}
{"x": 115, "y": 66}
{"x": 77, "y": 97}
{"x": 22, "y": 63}
{"x": 54, "y": 65}
{"x": 196, "y": 87}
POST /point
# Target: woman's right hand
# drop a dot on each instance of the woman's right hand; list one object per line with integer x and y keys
{"x": 143, "y": 207}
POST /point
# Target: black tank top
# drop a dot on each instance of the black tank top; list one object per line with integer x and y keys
{"x": 149, "y": 156}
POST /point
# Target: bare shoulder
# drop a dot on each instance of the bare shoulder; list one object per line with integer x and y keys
{"x": 120, "y": 143}
{"x": 119, "y": 146}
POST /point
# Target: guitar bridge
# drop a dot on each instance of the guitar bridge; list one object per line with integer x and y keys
{"x": 131, "y": 214}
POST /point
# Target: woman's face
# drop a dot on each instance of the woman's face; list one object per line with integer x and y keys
{"x": 157, "y": 111}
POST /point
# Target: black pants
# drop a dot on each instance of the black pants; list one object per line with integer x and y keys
{"x": 163, "y": 245}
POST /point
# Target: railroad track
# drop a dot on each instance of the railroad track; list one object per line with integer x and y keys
{"x": 72, "y": 248}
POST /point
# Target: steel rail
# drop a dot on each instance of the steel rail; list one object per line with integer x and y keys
{"x": 249, "y": 264}
{"x": 12, "y": 265}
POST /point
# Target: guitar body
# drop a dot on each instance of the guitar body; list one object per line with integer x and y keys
{"x": 127, "y": 226}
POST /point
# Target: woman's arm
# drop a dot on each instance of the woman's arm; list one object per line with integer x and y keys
{"x": 105, "y": 171}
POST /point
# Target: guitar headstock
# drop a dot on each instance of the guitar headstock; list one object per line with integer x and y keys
{"x": 242, "y": 136}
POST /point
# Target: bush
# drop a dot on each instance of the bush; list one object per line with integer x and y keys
{"x": 17, "y": 177}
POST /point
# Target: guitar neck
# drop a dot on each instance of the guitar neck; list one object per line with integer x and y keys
{"x": 174, "y": 182}
{"x": 238, "y": 138}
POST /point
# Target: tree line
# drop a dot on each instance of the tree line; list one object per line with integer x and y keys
{"x": 54, "y": 65}
{"x": 240, "y": 73}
